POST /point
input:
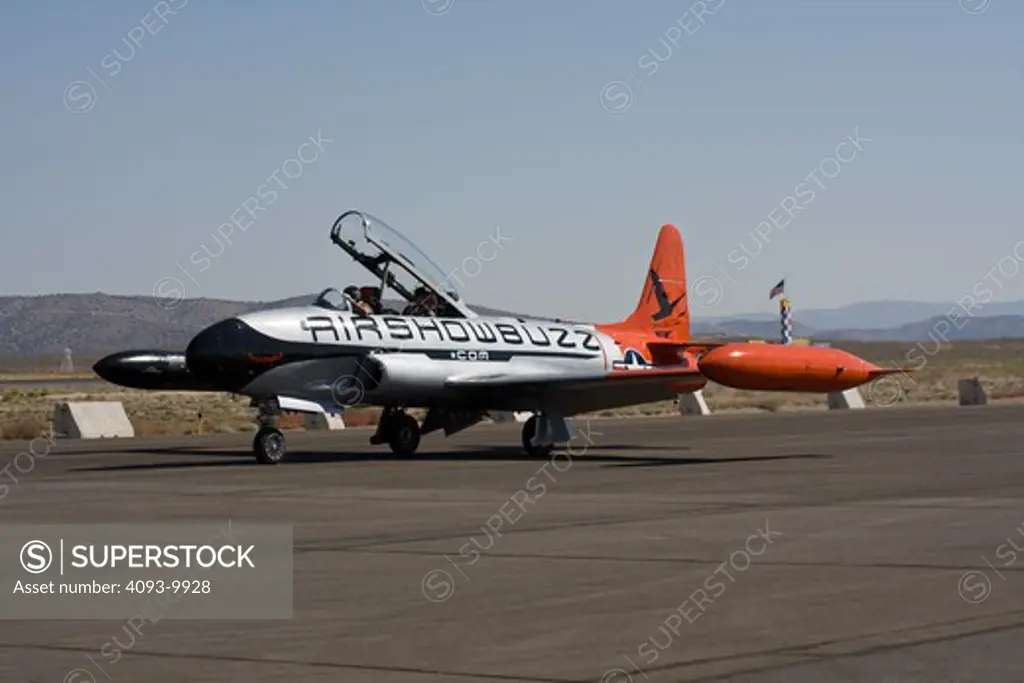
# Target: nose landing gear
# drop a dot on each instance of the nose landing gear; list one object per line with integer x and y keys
{"x": 268, "y": 445}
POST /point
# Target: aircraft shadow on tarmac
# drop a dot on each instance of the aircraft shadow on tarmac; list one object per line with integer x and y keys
{"x": 490, "y": 454}
{"x": 664, "y": 462}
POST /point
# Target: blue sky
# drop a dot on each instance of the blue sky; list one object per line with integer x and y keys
{"x": 451, "y": 119}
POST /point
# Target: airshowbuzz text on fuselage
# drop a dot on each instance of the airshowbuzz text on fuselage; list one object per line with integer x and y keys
{"x": 406, "y": 333}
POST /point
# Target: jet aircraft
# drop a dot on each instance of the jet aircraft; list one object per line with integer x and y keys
{"x": 460, "y": 366}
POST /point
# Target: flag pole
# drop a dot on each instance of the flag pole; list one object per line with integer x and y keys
{"x": 786, "y": 318}
{"x": 785, "y": 312}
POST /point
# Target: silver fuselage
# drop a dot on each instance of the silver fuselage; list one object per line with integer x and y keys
{"x": 337, "y": 358}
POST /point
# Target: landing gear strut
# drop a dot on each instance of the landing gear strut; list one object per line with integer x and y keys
{"x": 542, "y": 432}
{"x": 268, "y": 445}
{"x": 399, "y": 430}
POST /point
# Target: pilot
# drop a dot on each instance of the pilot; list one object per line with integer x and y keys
{"x": 371, "y": 297}
{"x": 355, "y": 298}
{"x": 421, "y": 304}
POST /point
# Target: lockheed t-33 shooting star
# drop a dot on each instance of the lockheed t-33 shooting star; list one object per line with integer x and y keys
{"x": 442, "y": 356}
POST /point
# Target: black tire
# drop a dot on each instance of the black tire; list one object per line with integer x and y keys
{"x": 385, "y": 426}
{"x": 403, "y": 434}
{"x": 269, "y": 446}
{"x": 529, "y": 429}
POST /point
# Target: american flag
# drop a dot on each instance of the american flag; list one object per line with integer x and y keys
{"x": 777, "y": 289}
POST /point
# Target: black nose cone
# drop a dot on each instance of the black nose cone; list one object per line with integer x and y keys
{"x": 108, "y": 367}
{"x": 147, "y": 370}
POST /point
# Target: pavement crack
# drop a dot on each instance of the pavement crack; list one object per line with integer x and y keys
{"x": 294, "y": 662}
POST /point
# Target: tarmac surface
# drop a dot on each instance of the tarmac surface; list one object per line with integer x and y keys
{"x": 842, "y": 546}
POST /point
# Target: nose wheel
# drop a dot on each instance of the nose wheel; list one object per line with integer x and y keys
{"x": 269, "y": 446}
{"x": 399, "y": 430}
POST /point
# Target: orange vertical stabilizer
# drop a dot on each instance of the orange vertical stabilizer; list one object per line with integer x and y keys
{"x": 663, "y": 309}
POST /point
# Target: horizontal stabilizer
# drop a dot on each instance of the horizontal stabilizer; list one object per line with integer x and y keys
{"x": 670, "y": 352}
{"x": 661, "y": 372}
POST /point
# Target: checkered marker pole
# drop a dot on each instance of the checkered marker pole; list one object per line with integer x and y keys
{"x": 786, "y": 314}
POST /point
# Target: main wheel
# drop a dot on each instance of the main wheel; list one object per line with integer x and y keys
{"x": 385, "y": 425}
{"x": 268, "y": 446}
{"x": 403, "y": 434}
{"x": 529, "y": 429}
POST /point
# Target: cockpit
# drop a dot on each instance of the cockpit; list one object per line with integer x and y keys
{"x": 333, "y": 300}
{"x": 400, "y": 270}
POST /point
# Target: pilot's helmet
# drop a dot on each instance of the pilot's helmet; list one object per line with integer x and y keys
{"x": 351, "y": 291}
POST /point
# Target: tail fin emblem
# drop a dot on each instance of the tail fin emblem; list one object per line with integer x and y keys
{"x": 665, "y": 307}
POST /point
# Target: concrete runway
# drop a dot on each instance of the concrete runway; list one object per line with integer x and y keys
{"x": 798, "y": 547}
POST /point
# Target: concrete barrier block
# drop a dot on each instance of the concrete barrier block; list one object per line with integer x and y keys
{"x": 693, "y": 404}
{"x": 92, "y": 420}
{"x": 851, "y": 399}
{"x": 330, "y": 421}
{"x": 972, "y": 393}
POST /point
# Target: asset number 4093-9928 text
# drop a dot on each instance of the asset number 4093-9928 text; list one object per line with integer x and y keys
{"x": 176, "y": 586}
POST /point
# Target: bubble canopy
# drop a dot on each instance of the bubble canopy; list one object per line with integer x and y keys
{"x": 381, "y": 249}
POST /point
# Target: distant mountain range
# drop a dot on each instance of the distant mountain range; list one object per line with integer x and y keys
{"x": 876, "y": 315}
{"x": 99, "y": 323}
{"x": 903, "y": 321}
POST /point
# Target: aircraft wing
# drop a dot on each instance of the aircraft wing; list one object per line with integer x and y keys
{"x": 541, "y": 378}
{"x": 573, "y": 393}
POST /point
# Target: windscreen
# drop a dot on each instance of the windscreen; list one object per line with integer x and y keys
{"x": 395, "y": 242}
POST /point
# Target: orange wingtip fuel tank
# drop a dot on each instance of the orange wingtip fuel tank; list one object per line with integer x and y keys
{"x": 773, "y": 367}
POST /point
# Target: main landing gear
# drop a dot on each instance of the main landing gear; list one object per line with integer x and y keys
{"x": 268, "y": 445}
{"x": 541, "y": 432}
{"x": 398, "y": 429}
{"x": 534, "y": 451}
